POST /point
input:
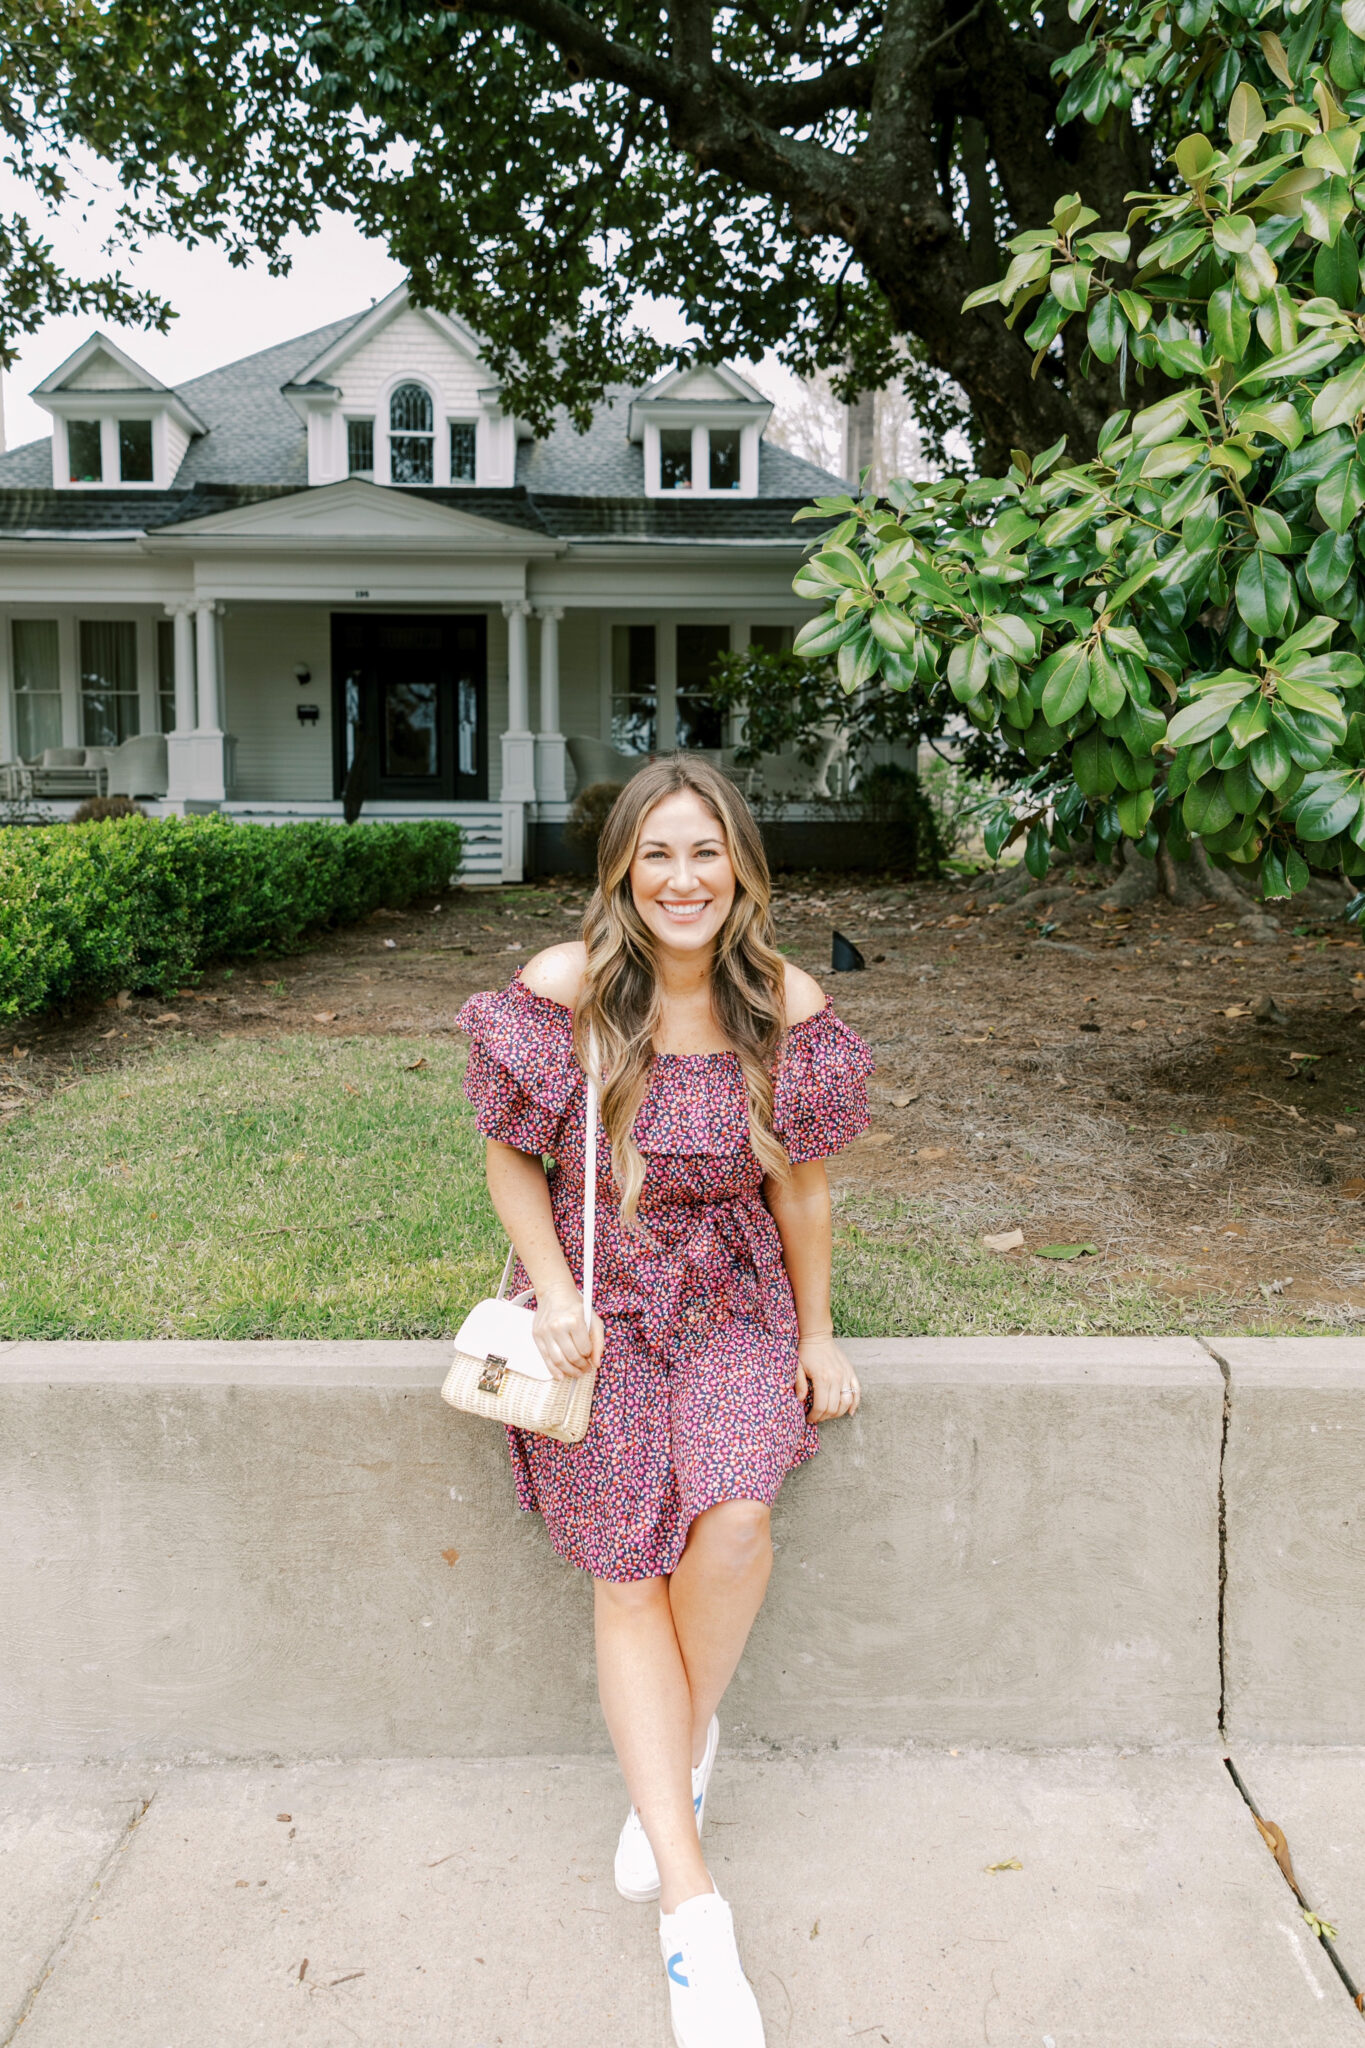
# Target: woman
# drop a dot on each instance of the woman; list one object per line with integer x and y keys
{"x": 726, "y": 1080}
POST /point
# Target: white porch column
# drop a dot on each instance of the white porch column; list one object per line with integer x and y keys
{"x": 518, "y": 745}
{"x": 551, "y": 779}
{"x": 206, "y": 665}
{"x": 198, "y": 751}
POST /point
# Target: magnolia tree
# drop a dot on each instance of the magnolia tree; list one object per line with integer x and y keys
{"x": 1169, "y": 634}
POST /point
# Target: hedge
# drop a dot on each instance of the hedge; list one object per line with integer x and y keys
{"x": 143, "y": 903}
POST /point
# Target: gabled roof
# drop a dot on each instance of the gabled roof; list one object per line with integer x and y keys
{"x": 367, "y": 516}
{"x": 254, "y": 442}
{"x": 61, "y": 391}
{"x": 320, "y": 369}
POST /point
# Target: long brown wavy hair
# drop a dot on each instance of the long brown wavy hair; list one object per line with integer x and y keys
{"x": 619, "y": 1005}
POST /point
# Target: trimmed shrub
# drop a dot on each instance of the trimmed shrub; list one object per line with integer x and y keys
{"x": 589, "y": 814}
{"x": 142, "y": 903}
{"x": 96, "y": 809}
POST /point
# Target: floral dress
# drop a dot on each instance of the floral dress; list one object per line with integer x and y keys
{"x": 695, "y": 1401}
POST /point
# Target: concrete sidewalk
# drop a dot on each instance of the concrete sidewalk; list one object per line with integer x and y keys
{"x": 469, "y": 1903}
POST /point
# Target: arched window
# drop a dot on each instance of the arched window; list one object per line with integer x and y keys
{"x": 412, "y": 436}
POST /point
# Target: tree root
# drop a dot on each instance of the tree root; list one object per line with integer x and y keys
{"x": 1219, "y": 885}
{"x": 1137, "y": 883}
{"x": 1041, "y": 899}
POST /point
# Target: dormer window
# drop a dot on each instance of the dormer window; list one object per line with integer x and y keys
{"x": 675, "y": 459}
{"x": 725, "y": 452}
{"x": 412, "y": 436}
{"x": 85, "y": 451}
{"x": 135, "y": 451}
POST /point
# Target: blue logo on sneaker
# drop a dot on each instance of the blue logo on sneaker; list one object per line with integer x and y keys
{"x": 676, "y": 1974}
{"x": 696, "y": 1803}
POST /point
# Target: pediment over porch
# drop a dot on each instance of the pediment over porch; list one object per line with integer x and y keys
{"x": 358, "y": 517}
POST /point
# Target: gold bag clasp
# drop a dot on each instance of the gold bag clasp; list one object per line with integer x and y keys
{"x": 493, "y": 1374}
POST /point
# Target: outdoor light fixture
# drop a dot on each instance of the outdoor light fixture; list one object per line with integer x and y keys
{"x": 303, "y": 675}
{"x": 308, "y": 714}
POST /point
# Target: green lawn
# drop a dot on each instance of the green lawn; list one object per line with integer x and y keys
{"x": 302, "y": 1187}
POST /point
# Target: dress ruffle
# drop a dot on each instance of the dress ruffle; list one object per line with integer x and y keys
{"x": 820, "y": 1088}
{"x": 522, "y": 1073}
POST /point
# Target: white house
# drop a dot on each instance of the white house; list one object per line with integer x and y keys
{"x": 341, "y": 557}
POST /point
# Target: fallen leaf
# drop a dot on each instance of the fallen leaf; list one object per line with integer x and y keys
{"x": 1066, "y": 1251}
{"x": 110, "y": 1034}
{"x": 1010, "y": 1863}
{"x": 1274, "y": 1838}
{"x": 122, "y": 999}
{"x": 931, "y": 1152}
{"x": 302, "y": 1968}
{"x": 1138, "y": 1024}
{"x": 324, "y": 1016}
{"x": 411, "y": 1066}
{"x": 1004, "y": 1241}
{"x": 870, "y": 1138}
{"x": 1237, "y": 1010}
{"x": 1344, "y": 1130}
{"x": 167, "y": 1017}
{"x": 390, "y": 946}
{"x": 284, "y": 1816}
{"x": 904, "y": 1101}
{"x": 451, "y": 1556}
{"x": 349, "y": 1089}
{"x": 242, "y": 1884}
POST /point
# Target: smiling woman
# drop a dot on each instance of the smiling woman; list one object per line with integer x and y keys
{"x": 726, "y": 1081}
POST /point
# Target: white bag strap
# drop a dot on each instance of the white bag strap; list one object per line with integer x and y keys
{"x": 589, "y": 1193}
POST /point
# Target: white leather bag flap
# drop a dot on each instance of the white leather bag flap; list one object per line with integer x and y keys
{"x": 502, "y": 1329}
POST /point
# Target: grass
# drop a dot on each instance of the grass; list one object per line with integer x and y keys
{"x": 301, "y": 1187}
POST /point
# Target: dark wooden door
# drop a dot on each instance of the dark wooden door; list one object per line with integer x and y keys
{"x": 409, "y": 698}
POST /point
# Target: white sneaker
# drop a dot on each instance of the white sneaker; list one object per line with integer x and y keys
{"x": 711, "y": 2001}
{"x": 637, "y": 1874}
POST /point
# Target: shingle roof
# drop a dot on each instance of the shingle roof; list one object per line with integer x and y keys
{"x": 257, "y": 441}
{"x": 696, "y": 520}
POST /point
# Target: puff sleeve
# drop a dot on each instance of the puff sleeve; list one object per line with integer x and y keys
{"x": 820, "y": 1088}
{"x": 522, "y": 1073}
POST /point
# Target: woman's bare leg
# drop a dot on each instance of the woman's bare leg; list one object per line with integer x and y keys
{"x": 642, "y": 1684}
{"x": 714, "y": 1594}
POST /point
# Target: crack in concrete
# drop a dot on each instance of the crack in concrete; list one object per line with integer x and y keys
{"x": 79, "y": 1916}
{"x": 1224, "y": 1369}
{"x": 1274, "y": 1839}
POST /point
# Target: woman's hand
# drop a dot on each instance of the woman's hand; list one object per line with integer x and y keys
{"x": 822, "y": 1367}
{"x": 562, "y": 1335}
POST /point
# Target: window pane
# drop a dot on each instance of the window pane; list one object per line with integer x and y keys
{"x": 410, "y": 458}
{"x": 135, "y": 451}
{"x": 771, "y": 639}
{"x": 360, "y": 447}
{"x": 109, "y": 710}
{"x": 462, "y": 451}
{"x": 83, "y": 448}
{"x": 37, "y": 687}
{"x": 410, "y": 729}
{"x": 675, "y": 458}
{"x": 410, "y": 410}
{"x": 725, "y": 458}
{"x": 634, "y": 690}
{"x": 701, "y": 722}
{"x": 165, "y": 675}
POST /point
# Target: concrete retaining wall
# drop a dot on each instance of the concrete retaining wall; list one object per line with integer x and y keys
{"x": 1294, "y": 1481}
{"x": 249, "y": 1550}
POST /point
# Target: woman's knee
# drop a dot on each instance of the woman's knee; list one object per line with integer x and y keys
{"x": 629, "y": 1599}
{"x": 736, "y": 1534}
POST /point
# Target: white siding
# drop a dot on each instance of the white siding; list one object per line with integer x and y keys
{"x": 102, "y": 373}
{"x": 411, "y": 347}
{"x": 703, "y": 384}
{"x": 177, "y": 441}
{"x": 580, "y": 679}
{"x": 497, "y": 697}
{"x": 276, "y": 756}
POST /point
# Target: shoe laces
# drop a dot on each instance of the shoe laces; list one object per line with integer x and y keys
{"x": 714, "y": 1939}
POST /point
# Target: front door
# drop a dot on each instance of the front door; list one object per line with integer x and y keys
{"x": 409, "y": 704}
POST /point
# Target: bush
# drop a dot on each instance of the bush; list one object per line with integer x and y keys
{"x": 142, "y": 903}
{"x": 589, "y": 815}
{"x": 900, "y": 831}
{"x": 96, "y": 809}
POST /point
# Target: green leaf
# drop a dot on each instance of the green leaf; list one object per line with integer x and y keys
{"x": 1341, "y": 494}
{"x": 1069, "y": 520}
{"x": 1106, "y": 326}
{"x": 984, "y": 295}
{"x": 1315, "y": 700}
{"x": 1066, "y": 1251}
{"x": 892, "y": 628}
{"x": 1229, "y": 323}
{"x": 1272, "y": 530}
{"x": 1070, "y": 286}
{"x": 1326, "y": 209}
{"x": 1037, "y": 851}
{"x": 1326, "y": 804}
{"x": 819, "y": 638}
{"x": 1249, "y": 720}
{"x": 1207, "y": 715}
{"x": 1277, "y": 321}
{"x": 1165, "y": 419}
{"x": 1234, "y": 233}
{"x": 1206, "y": 808}
{"x": 1135, "y": 808}
{"x": 1338, "y": 402}
{"x": 1139, "y": 312}
{"x": 1264, "y": 593}
{"x": 969, "y": 669}
{"x": 858, "y": 660}
{"x": 1246, "y": 115}
{"x": 1009, "y": 634}
{"x": 1280, "y": 421}
{"x": 1316, "y": 353}
{"x": 1107, "y": 693}
{"x": 1194, "y": 158}
{"x": 1065, "y": 676}
{"x": 1092, "y": 764}
{"x": 1271, "y": 758}
{"x": 1336, "y": 271}
{"x": 1329, "y": 562}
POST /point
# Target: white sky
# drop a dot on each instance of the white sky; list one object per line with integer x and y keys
{"x": 222, "y": 313}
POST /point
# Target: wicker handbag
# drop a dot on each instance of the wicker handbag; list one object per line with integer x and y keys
{"x": 498, "y": 1370}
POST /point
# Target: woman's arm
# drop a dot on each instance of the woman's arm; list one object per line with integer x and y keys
{"x": 521, "y": 1195}
{"x": 800, "y": 1208}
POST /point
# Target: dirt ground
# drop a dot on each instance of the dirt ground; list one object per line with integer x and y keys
{"x": 1085, "y": 1077}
